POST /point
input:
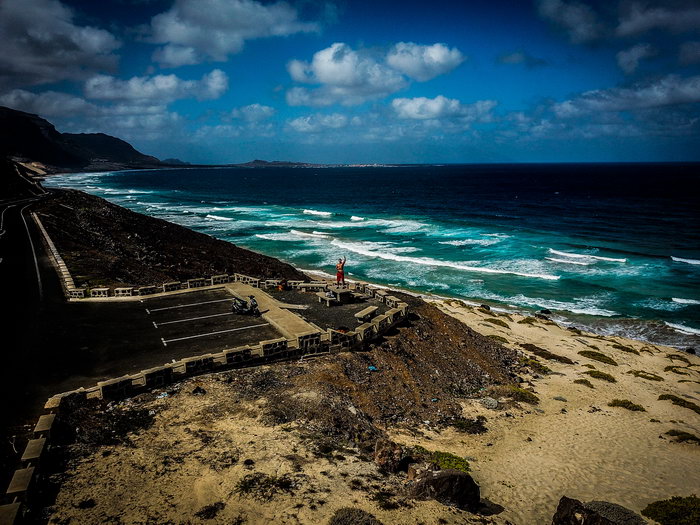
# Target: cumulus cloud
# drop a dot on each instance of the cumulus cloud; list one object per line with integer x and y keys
{"x": 521, "y": 57}
{"x": 628, "y": 59}
{"x": 667, "y": 91}
{"x": 422, "y": 108}
{"x": 42, "y": 44}
{"x": 318, "y": 122}
{"x": 253, "y": 112}
{"x": 347, "y": 77}
{"x": 424, "y": 62}
{"x": 196, "y": 30}
{"x": 690, "y": 53}
{"x": 640, "y": 17}
{"x": 48, "y": 104}
{"x": 579, "y": 21}
{"x": 162, "y": 88}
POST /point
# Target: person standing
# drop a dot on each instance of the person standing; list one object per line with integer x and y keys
{"x": 340, "y": 272}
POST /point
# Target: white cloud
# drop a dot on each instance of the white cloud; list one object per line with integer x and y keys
{"x": 198, "y": 30}
{"x": 42, "y": 43}
{"x": 347, "y": 77}
{"x": 161, "y": 88}
{"x": 318, "y": 122}
{"x": 424, "y": 62}
{"x": 521, "y": 57}
{"x": 253, "y": 112}
{"x": 578, "y": 20}
{"x": 47, "y": 104}
{"x": 690, "y": 53}
{"x": 628, "y": 59}
{"x": 639, "y": 18}
{"x": 667, "y": 91}
{"x": 422, "y": 108}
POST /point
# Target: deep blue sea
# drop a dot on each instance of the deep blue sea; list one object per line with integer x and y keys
{"x": 611, "y": 247}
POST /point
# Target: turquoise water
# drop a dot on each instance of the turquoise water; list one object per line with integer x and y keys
{"x": 615, "y": 248}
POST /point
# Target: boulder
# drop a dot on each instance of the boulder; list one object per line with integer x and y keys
{"x": 450, "y": 487}
{"x": 415, "y": 469}
{"x": 390, "y": 457}
{"x": 573, "y": 512}
{"x": 490, "y": 403}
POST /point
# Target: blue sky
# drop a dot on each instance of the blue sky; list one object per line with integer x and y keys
{"x": 219, "y": 81}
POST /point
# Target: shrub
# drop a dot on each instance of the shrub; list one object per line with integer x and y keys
{"x": 674, "y": 511}
{"x": 683, "y": 436}
{"x": 528, "y": 320}
{"x": 535, "y": 365}
{"x": 646, "y": 375}
{"x": 546, "y": 354}
{"x": 589, "y": 365}
{"x": 497, "y": 322}
{"x": 679, "y": 401}
{"x": 625, "y": 348}
{"x": 498, "y": 338}
{"x": 677, "y": 357}
{"x": 598, "y": 356}
{"x": 584, "y": 382}
{"x": 626, "y": 403}
{"x": 264, "y": 487}
{"x": 520, "y": 394}
{"x": 470, "y": 426}
{"x": 676, "y": 370}
{"x": 597, "y": 374}
{"x": 444, "y": 460}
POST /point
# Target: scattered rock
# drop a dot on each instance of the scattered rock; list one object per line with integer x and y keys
{"x": 390, "y": 457}
{"x": 560, "y": 398}
{"x": 545, "y": 311}
{"x": 351, "y": 516}
{"x": 87, "y": 504}
{"x": 450, "y": 487}
{"x": 489, "y": 403}
{"x": 198, "y": 391}
{"x": 485, "y": 307}
{"x": 573, "y": 512}
{"x": 593, "y": 409}
{"x": 416, "y": 469}
{"x": 543, "y": 317}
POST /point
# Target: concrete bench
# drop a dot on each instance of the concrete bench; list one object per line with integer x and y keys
{"x": 34, "y": 449}
{"x": 312, "y": 286}
{"x": 172, "y": 286}
{"x": 9, "y": 513}
{"x": 20, "y": 483}
{"x": 123, "y": 292}
{"x": 44, "y": 424}
{"x": 391, "y": 301}
{"x": 147, "y": 290}
{"x": 323, "y": 297}
{"x": 196, "y": 283}
{"x": 219, "y": 279}
{"x": 99, "y": 292}
{"x": 365, "y": 315}
{"x": 77, "y": 293}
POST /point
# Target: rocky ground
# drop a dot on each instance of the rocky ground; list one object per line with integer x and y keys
{"x": 106, "y": 245}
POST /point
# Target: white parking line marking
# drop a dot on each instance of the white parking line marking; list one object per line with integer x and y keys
{"x": 186, "y": 305}
{"x": 166, "y": 341}
{"x": 154, "y": 324}
{"x": 191, "y": 319}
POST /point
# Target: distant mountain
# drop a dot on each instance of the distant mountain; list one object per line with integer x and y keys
{"x": 175, "y": 162}
{"x": 257, "y": 163}
{"x": 27, "y": 136}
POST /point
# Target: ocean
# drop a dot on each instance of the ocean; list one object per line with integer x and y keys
{"x": 614, "y": 248}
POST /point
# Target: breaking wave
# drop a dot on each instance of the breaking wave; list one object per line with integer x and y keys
{"x": 587, "y": 256}
{"x": 687, "y": 261}
{"x": 318, "y": 212}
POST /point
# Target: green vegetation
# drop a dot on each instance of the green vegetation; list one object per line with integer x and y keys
{"x": 676, "y": 370}
{"x": 498, "y": 338}
{"x": 444, "y": 460}
{"x": 646, "y": 375}
{"x": 546, "y": 354}
{"x": 519, "y": 394}
{"x": 677, "y": 357}
{"x": 470, "y": 426}
{"x": 584, "y": 382}
{"x": 497, "y": 322}
{"x": 683, "y": 436}
{"x": 597, "y": 374}
{"x": 626, "y": 403}
{"x": 688, "y": 381}
{"x": 675, "y": 511}
{"x": 679, "y": 401}
{"x": 598, "y": 356}
{"x": 625, "y": 348}
{"x": 535, "y": 365}
{"x": 528, "y": 320}
{"x": 262, "y": 486}
{"x": 588, "y": 365}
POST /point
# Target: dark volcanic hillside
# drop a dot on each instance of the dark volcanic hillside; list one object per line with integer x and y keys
{"x": 31, "y": 137}
{"x": 104, "y": 243}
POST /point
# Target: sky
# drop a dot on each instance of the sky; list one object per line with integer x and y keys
{"x": 228, "y": 81}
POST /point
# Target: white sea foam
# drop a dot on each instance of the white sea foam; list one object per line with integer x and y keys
{"x": 579, "y": 263}
{"x": 362, "y": 249}
{"x": 587, "y": 256}
{"x": 687, "y": 261}
{"x": 578, "y": 305}
{"x": 287, "y": 237}
{"x": 683, "y": 329}
{"x": 684, "y": 301}
{"x": 467, "y": 242}
{"x": 321, "y": 235}
{"x": 218, "y": 218}
{"x": 356, "y": 218}
{"x": 318, "y": 212}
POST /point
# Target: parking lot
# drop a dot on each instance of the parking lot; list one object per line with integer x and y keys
{"x": 203, "y": 322}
